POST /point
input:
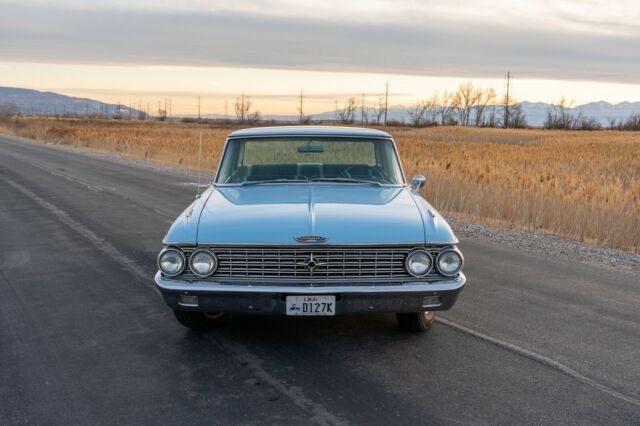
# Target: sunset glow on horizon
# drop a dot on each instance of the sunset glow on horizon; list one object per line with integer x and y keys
{"x": 140, "y": 53}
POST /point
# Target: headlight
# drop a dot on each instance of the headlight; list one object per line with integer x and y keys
{"x": 203, "y": 263}
{"x": 418, "y": 263}
{"x": 171, "y": 262}
{"x": 449, "y": 262}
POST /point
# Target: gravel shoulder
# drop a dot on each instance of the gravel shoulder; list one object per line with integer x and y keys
{"x": 551, "y": 245}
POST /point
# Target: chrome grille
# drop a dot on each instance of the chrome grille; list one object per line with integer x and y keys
{"x": 334, "y": 263}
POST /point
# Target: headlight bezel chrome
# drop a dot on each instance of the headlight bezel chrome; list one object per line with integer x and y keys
{"x": 447, "y": 250}
{"x": 414, "y": 252}
{"x": 172, "y": 250}
{"x": 208, "y": 252}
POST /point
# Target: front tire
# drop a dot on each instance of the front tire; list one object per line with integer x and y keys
{"x": 198, "y": 320}
{"x": 415, "y": 321}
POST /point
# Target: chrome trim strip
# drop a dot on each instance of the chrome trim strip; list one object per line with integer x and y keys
{"x": 340, "y": 263}
{"x": 319, "y": 246}
{"x": 173, "y": 285}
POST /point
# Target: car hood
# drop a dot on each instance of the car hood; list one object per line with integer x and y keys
{"x": 277, "y": 214}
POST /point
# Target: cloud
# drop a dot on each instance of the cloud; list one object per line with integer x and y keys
{"x": 269, "y": 35}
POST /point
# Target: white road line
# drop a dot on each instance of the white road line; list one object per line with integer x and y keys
{"x": 100, "y": 243}
{"x": 42, "y": 166}
{"x": 541, "y": 359}
{"x": 319, "y": 414}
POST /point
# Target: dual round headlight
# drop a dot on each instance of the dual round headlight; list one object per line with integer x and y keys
{"x": 171, "y": 262}
{"x": 420, "y": 262}
{"x": 449, "y": 262}
{"x": 202, "y": 263}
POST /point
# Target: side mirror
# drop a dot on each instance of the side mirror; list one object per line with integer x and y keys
{"x": 418, "y": 182}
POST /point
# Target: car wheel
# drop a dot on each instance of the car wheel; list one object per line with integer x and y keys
{"x": 415, "y": 321}
{"x": 198, "y": 320}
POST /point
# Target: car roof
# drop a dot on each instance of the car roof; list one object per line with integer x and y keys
{"x": 356, "y": 132}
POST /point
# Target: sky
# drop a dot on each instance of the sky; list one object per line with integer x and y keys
{"x": 141, "y": 52}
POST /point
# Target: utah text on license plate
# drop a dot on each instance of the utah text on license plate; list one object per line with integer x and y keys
{"x": 311, "y": 305}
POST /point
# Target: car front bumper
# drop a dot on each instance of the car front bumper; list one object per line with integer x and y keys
{"x": 260, "y": 298}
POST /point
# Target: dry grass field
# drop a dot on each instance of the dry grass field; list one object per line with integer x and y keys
{"x": 582, "y": 185}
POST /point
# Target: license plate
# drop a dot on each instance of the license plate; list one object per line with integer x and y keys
{"x": 311, "y": 305}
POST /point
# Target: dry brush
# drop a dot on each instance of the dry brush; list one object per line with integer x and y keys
{"x": 582, "y": 185}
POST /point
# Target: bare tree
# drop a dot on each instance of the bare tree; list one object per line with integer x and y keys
{"x": 254, "y": 117}
{"x": 587, "y": 123}
{"x": 8, "y": 110}
{"x": 377, "y": 110}
{"x": 425, "y": 113}
{"x": 483, "y": 98}
{"x": 347, "y": 114}
{"x": 431, "y": 110}
{"x": 631, "y": 123}
{"x": 445, "y": 107}
{"x": 242, "y": 107}
{"x": 517, "y": 118}
{"x": 416, "y": 114}
{"x": 465, "y": 99}
{"x": 559, "y": 116}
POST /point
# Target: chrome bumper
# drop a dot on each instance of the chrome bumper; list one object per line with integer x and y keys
{"x": 350, "y": 299}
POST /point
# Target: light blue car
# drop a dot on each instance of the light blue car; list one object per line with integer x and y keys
{"x": 310, "y": 221}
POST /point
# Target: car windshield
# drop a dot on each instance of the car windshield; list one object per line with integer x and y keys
{"x": 303, "y": 159}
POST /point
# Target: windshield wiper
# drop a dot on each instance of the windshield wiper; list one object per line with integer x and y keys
{"x": 259, "y": 182}
{"x": 346, "y": 180}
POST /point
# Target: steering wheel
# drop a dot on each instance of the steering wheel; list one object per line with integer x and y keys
{"x": 346, "y": 172}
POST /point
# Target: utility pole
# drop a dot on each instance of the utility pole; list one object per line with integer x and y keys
{"x": 362, "y": 117}
{"x": 169, "y": 109}
{"x": 198, "y": 108}
{"x": 300, "y": 110}
{"x": 226, "y": 109}
{"x": 506, "y": 101}
{"x": 242, "y": 109}
{"x": 386, "y": 102}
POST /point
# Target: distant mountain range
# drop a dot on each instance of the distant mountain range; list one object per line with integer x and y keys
{"x": 49, "y": 103}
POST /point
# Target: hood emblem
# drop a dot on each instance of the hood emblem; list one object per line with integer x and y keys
{"x": 311, "y": 264}
{"x": 311, "y": 239}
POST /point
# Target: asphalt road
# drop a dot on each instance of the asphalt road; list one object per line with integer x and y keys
{"x": 85, "y": 338}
